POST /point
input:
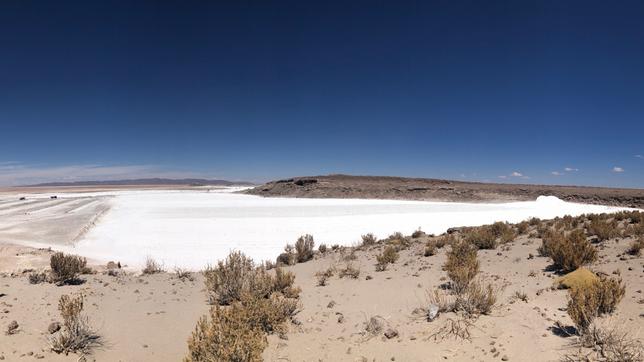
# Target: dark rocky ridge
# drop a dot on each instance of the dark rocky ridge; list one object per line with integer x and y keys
{"x": 400, "y": 188}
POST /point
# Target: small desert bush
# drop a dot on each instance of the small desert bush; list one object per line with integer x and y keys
{"x": 269, "y": 314}
{"x": 502, "y": 231}
{"x": 183, "y": 274}
{"x": 482, "y": 237}
{"x": 283, "y": 284}
{"x": 601, "y": 297}
{"x": 522, "y": 227}
{"x": 238, "y": 276}
{"x": 324, "y": 275}
{"x": 388, "y": 256}
{"x": 417, "y": 233}
{"x": 461, "y": 265}
{"x": 304, "y": 248}
{"x": 572, "y": 251}
{"x": 152, "y": 266}
{"x": 66, "y": 268}
{"x": 37, "y": 277}
{"x": 76, "y": 334}
{"x": 322, "y": 248}
{"x": 288, "y": 257}
{"x": 549, "y": 239}
{"x": 603, "y": 229}
{"x": 636, "y": 247}
{"x": 226, "y": 335}
{"x": 446, "y": 239}
{"x": 478, "y": 298}
{"x": 349, "y": 271}
{"x": 607, "y": 342}
{"x": 369, "y": 239}
{"x": 430, "y": 248}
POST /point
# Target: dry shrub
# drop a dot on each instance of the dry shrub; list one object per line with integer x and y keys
{"x": 461, "y": 265}
{"x": 238, "y": 276}
{"x": 66, "y": 268}
{"x": 76, "y": 334}
{"x": 388, "y": 256}
{"x": 603, "y": 229}
{"x": 549, "y": 239}
{"x": 349, "y": 271}
{"x": 183, "y": 274}
{"x": 324, "y": 275}
{"x": 304, "y": 248}
{"x": 322, "y": 248}
{"x": 571, "y": 252}
{"x": 522, "y": 227}
{"x": 417, "y": 233}
{"x": 478, "y": 298}
{"x": 447, "y": 239}
{"x": 606, "y": 342}
{"x": 226, "y": 335}
{"x": 37, "y": 277}
{"x": 396, "y": 236}
{"x": 636, "y": 247}
{"x": 369, "y": 239}
{"x": 585, "y": 304}
{"x": 283, "y": 284}
{"x": 152, "y": 266}
{"x": 454, "y": 328}
{"x": 430, "y": 248}
{"x": 482, "y": 237}
{"x": 269, "y": 314}
{"x": 288, "y": 257}
{"x": 442, "y": 300}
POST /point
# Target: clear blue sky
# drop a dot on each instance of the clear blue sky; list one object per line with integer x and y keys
{"x": 474, "y": 90}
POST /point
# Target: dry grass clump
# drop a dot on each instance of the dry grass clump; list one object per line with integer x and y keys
{"x": 601, "y": 297}
{"x": 76, "y": 334}
{"x": 238, "y": 276}
{"x": 446, "y": 239}
{"x": 304, "y": 248}
{"x": 571, "y": 252}
{"x": 183, "y": 274}
{"x": 66, "y": 268}
{"x": 388, "y": 256}
{"x": 477, "y": 298}
{"x": 37, "y": 277}
{"x": 461, "y": 265}
{"x": 152, "y": 267}
{"x": 349, "y": 271}
{"x": 369, "y": 239}
{"x": 636, "y": 247}
{"x": 226, "y": 335}
{"x": 324, "y": 275}
{"x": 606, "y": 342}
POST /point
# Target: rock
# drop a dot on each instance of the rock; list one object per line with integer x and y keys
{"x": 432, "y": 312}
{"x": 12, "y": 328}
{"x": 505, "y": 358}
{"x": 391, "y": 333}
{"x": 53, "y": 327}
{"x": 331, "y": 304}
{"x": 341, "y": 318}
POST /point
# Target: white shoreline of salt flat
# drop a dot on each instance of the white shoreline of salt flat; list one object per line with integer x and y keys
{"x": 194, "y": 228}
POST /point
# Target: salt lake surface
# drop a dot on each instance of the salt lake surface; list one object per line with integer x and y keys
{"x": 195, "y": 228}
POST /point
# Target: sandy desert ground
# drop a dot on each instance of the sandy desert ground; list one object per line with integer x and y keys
{"x": 150, "y": 317}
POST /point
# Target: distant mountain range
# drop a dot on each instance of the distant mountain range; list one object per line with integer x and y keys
{"x": 148, "y": 181}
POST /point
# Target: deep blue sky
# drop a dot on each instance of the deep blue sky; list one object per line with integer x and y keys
{"x": 474, "y": 90}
